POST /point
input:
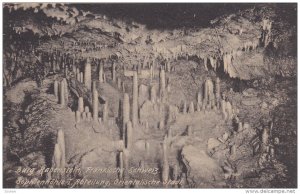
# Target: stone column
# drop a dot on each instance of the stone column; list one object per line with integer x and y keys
{"x": 81, "y": 77}
{"x": 121, "y": 166}
{"x": 184, "y": 111}
{"x": 129, "y": 134}
{"x": 95, "y": 106}
{"x": 80, "y": 105}
{"x": 57, "y": 156}
{"x": 162, "y": 84}
{"x": 61, "y": 143}
{"x": 218, "y": 92}
{"x": 113, "y": 72}
{"x": 135, "y": 100}
{"x": 77, "y": 116}
{"x": 88, "y": 74}
{"x": 126, "y": 110}
{"x": 165, "y": 167}
{"x": 199, "y": 98}
{"x": 78, "y": 74}
{"x": 153, "y": 94}
{"x": 101, "y": 73}
{"x": 56, "y": 90}
{"x": 66, "y": 89}
{"x": 105, "y": 112}
{"x": 62, "y": 93}
{"x": 191, "y": 107}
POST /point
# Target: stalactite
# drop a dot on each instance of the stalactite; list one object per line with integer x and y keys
{"x": 88, "y": 74}
{"x": 135, "y": 100}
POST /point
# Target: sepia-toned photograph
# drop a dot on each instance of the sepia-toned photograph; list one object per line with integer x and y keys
{"x": 149, "y": 95}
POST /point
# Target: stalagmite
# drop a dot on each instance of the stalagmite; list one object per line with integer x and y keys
{"x": 126, "y": 110}
{"x": 62, "y": 93}
{"x": 113, "y": 72}
{"x": 105, "y": 112}
{"x": 191, "y": 107}
{"x": 135, "y": 100}
{"x": 56, "y": 90}
{"x": 88, "y": 74}
{"x": 153, "y": 94}
{"x": 129, "y": 138}
{"x": 61, "y": 143}
{"x": 95, "y": 106}
{"x": 101, "y": 79}
{"x": 80, "y": 105}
